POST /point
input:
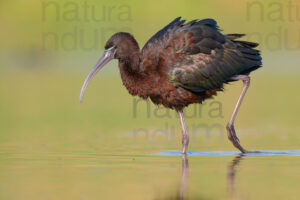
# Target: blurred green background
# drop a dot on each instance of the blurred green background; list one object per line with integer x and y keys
{"x": 48, "y": 47}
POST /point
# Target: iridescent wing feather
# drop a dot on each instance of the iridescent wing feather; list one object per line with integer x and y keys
{"x": 210, "y": 58}
{"x": 198, "y": 57}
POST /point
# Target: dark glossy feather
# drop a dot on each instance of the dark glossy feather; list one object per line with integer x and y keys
{"x": 207, "y": 59}
{"x": 154, "y": 48}
{"x": 185, "y": 63}
{"x": 164, "y": 32}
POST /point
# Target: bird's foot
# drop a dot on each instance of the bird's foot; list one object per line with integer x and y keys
{"x": 255, "y": 152}
{"x": 184, "y": 149}
{"x": 234, "y": 139}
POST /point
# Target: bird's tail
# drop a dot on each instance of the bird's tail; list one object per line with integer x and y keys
{"x": 251, "y": 55}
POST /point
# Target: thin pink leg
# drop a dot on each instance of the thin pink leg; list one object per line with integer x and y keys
{"x": 230, "y": 126}
{"x": 185, "y": 136}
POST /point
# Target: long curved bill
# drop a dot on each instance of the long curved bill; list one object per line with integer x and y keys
{"x": 107, "y": 56}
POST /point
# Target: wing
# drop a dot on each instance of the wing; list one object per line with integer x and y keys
{"x": 162, "y": 35}
{"x": 201, "y": 58}
{"x": 154, "y": 47}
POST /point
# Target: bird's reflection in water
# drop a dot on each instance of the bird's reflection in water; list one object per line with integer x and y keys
{"x": 231, "y": 175}
{"x": 185, "y": 169}
{"x": 180, "y": 193}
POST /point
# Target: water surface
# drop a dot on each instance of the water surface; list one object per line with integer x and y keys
{"x": 53, "y": 148}
{"x": 96, "y": 175}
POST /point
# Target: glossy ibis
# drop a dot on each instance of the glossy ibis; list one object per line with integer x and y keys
{"x": 182, "y": 64}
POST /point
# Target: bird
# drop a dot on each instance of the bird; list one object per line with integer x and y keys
{"x": 184, "y": 63}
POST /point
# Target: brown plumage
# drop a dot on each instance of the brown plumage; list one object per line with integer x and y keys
{"x": 182, "y": 64}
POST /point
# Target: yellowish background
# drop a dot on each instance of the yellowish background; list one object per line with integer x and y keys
{"x": 53, "y": 148}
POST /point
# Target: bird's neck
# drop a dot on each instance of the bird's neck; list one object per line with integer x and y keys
{"x": 131, "y": 75}
{"x": 129, "y": 58}
{"x": 130, "y": 63}
{"x": 129, "y": 55}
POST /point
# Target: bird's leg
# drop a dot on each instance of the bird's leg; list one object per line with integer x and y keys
{"x": 185, "y": 136}
{"x": 230, "y": 127}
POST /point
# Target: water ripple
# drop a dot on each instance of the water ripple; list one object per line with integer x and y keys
{"x": 295, "y": 152}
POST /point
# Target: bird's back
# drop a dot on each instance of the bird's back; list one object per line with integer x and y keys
{"x": 198, "y": 57}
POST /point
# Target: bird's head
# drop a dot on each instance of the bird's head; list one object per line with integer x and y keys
{"x": 118, "y": 47}
{"x": 123, "y": 43}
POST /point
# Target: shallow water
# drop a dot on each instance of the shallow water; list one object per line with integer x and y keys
{"x": 232, "y": 153}
{"x": 167, "y": 175}
{"x": 53, "y": 148}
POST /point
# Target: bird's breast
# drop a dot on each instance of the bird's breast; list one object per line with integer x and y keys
{"x": 158, "y": 88}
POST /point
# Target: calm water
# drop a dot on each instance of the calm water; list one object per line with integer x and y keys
{"x": 168, "y": 175}
{"x": 52, "y": 148}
